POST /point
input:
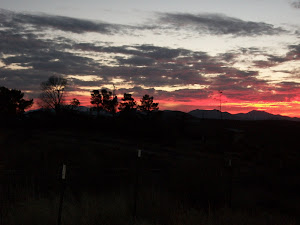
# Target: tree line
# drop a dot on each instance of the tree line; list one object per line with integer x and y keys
{"x": 52, "y": 96}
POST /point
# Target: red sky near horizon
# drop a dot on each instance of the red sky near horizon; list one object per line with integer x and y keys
{"x": 291, "y": 109}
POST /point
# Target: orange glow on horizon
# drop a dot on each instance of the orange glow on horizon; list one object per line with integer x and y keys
{"x": 288, "y": 108}
{"x": 291, "y": 108}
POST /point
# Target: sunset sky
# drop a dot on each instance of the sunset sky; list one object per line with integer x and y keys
{"x": 181, "y": 52}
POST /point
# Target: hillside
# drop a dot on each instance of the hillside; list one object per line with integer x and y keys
{"x": 241, "y": 163}
{"x": 252, "y": 115}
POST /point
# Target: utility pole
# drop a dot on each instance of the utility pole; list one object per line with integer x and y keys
{"x": 114, "y": 91}
{"x": 230, "y": 182}
{"x": 220, "y": 98}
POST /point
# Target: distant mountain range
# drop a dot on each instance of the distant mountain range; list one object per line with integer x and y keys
{"x": 252, "y": 115}
{"x": 202, "y": 114}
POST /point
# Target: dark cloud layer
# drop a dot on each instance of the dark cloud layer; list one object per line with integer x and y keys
{"x": 143, "y": 65}
{"x": 219, "y": 24}
{"x": 292, "y": 54}
{"x": 66, "y": 23}
{"x": 215, "y": 24}
{"x": 136, "y": 61}
{"x": 42, "y": 21}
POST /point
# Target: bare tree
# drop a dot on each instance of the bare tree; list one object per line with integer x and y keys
{"x": 52, "y": 96}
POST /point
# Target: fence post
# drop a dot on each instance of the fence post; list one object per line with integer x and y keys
{"x": 63, "y": 187}
{"x": 230, "y": 182}
{"x": 136, "y": 185}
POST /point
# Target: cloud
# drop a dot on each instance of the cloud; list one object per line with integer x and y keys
{"x": 54, "y": 61}
{"x": 25, "y": 80}
{"x": 169, "y": 74}
{"x": 66, "y": 23}
{"x": 218, "y": 24}
{"x": 136, "y": 60}
{"x": 142, "y": 51}
{"x": 42, "y": 21}
{"x": 178, "y": 95}
{"x": 161, "y": 52}
{"x": 163, "y": 70}
{"x": 295, "y": 4}
{"x": 11, "y": 42}
{"x": 292, "y": 54}
{"x": 141, "y": 65}
{"x": 215, "y": 24}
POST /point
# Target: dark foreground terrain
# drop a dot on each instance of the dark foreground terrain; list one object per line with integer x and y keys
{"x": 191, "y": 171}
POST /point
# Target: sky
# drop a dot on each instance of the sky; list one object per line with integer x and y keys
{"x": 181, "y": 52}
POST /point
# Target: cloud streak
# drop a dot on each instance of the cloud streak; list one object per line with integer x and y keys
{"x": 219, "y": 24}
{"x": 42, "y": 21}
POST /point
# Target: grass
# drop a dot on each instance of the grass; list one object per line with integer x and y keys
{"x": 154, "y": 208}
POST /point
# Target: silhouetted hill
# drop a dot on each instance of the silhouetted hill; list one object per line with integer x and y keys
{"x": 212, "y": 114}
{"x": 261, "y": 115}
{"x": 252, "y": 115}
{"x": 171, "y": 115}
{"x": 258, "y": 115}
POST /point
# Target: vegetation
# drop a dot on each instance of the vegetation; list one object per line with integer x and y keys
{"x": 12, "y": 102}
{"x": 75, "y": 103}
{"x": 114, "y": 209}
{"x": 127, "y": 104}
{"x": 147, "y": 104}
{"x": 110, "y": 102}
{"x": 104, "y": 100}
{"x": 96, "y": 100}
{"x": 52, "y": 96}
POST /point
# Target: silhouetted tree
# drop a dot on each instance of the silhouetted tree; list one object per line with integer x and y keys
{"x": 75, "y": 103}
{"x": 127, "y": 103}
{"x": 96, "y": 100}
{"x": 109, "y": 102}
{"x": 147, "y": 104}
{"x": 52, "y": 96}
{"x": 104, "y": 100}
{"x": 113, "y": 105}
{"x": 12, "y": 102}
